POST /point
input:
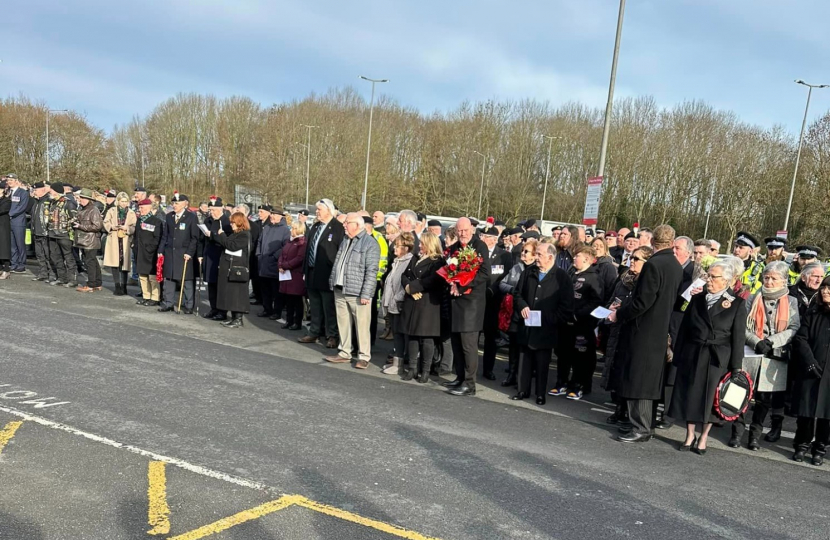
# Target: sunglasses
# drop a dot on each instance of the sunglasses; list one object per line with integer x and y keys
{"x": 528, "y": 252}
{"x": 637, "y": 259}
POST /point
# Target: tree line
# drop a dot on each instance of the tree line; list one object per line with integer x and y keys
{"x": 680, "y": 165}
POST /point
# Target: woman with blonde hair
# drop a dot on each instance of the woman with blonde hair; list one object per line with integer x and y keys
{"x": 119, "y": 223}
{"x": 424, "y": 290}
{"x": 291, "y": 261}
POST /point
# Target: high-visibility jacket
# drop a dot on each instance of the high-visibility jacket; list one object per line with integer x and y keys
{"x": 384, "y": 253}
{"x": 792, "y": 276}
{"x": 751, "y": 277}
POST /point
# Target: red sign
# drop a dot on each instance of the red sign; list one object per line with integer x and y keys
{"x": 589, "y": 216}
{"x": 782, "y": 234}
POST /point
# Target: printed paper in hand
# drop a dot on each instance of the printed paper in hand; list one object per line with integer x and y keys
{"x": 696, "y": 284}
{"x": 237, "y": 253}
{"x": 535, "y": 319}
{"x": 601, "y": 313}
{"x": 203, "y": 228}
{"x": 285, "y": 275}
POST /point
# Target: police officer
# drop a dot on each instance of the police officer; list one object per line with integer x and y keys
{"x": 804, "y": 256}
{"x": 181, "y": 237}
{"x": 745, "y": 243}
{"x": 775, "y": 248}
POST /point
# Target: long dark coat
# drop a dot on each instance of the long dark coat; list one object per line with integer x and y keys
{"x": 212, "y": 252}
{"x": 180, "y": 239}
{"x": 468, "y": 309}
{"x": 422, "y": 318}
{"x": 5, "y": 229}
{"x": 811, "y": 395}
{"x": 256, "y": 230}
{"x": 554, "y": 297}
{"x": 232, "y": 296}
{"x": 710, "y": 342}
{"x": 608, "y": 275}
{"x": 272, "y": 240}
{"x": 643, "y": 341}
{"x": 291, "y": 259}
{"x": 611, "y": 371}
{"x": 327, "y": 246}
{"x": 500, "y": 261}
{"x": 148, "y": 236}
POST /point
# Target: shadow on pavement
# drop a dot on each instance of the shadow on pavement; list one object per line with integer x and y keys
{"x": 17, "y": 529}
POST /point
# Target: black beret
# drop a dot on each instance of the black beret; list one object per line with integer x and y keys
{"x": 433, "y": 223}
{"x": 38, "y": 185}
{"x": 215, "y": 203}
{"x": 303, "y": 213}
{"x": 368, "y": 220}
{"x": 631, "y": 235}
{"x": 489, "y": 230}
{"x": 57, "y": 187}
{"x": 530, "y": 223}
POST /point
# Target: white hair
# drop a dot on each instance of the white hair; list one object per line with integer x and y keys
{"x": 779, "y": 268}
{"x": 809, "y": 267}
{"x": 736, "y": 263}
{"x": 687, "y": 243}
{"x": 727, "y": 267}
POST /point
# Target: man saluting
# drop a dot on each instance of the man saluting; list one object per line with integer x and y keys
{"x": 179, "y": 246}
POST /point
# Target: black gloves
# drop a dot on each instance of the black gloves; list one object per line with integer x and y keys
{"x": 736, "y": 372}
{"x": 763, "y": 347}
{"x": 815, "y": 370}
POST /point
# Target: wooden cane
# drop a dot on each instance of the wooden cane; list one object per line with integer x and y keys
{"x": 184, "y": 271}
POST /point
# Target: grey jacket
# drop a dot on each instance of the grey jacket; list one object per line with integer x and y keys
{"x": 360, "y": 268}
{"x": 781, "y": 340}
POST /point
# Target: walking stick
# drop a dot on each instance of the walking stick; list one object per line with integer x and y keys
{"x": 181, "y": 293}
{"x": 199, "y": 287}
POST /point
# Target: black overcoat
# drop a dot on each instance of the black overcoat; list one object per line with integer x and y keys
{"x": 467, "y": 310}
{"x": 148, "y": 234}
{"x": 643, "y": 340}
{"x": 230, "y": 295}
{"x": 5, "y": 229}
{"x": 710, "y": 342}
{"x": 180, "y": 239}
{"x": 256, "y": 230}
{"x": 680, "y": 302}
{"x": 422, "y": 318}
{"x": 500, "y": 264}
{"x": 330, "y": 239}
{"x": 811, "y": 395}
{"x": 553, "y": 296}
{"x": 212, "y": 250}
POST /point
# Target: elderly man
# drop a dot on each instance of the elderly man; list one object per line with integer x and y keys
{"x": 353, "y": 281}
{"x": 646, "y": 237}
{"x": 408, "y": 222}
{"x": 467, "y": 307}
{"x": 178, "y": 245}
{"x": 274, "y": 237}
{"x": 617, "y": 251}
{"x": 61, "y": 212}
{"x": 20, "y": 204}
{"x": 630, "y": 244}
{"x": 383, "y": 246}
{"x": 642, "y": 345}
{"x": 701, "y": 249}
{"x": 379, "y": 222}
{"x": 40, "y": 231}
{"x": 212, "y": 253}
{"x": 807, "y": 287}
{"x": 715, "y": 247}
{"x": 500, "y": 264}
{"x": 610, "y": 241}
{"x": 322, "y": 242}
{"x": 745, "y": 244}
{"x": 804, "y": 256}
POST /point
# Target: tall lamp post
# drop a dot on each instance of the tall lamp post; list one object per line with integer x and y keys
{"x": 48, "y": 112}
{"x": 800, "y": 142}
{"x": 369, "y": 145}
{"x": 547, "y": 173}
{"x": 308, "y": 159}
{"x": 481, "y": 192}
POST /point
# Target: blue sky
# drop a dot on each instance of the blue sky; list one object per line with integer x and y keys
{"x": 112, "y": 60}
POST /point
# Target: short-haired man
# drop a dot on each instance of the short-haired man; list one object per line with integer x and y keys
{"x": 715, "y": 247}
{"x": 617, "y": 251}
{"x": 61, "y": 211}
{"x": 353, "y": 280}
{"x": 701, "y": 249}
{"x": 646, "y": 237}
{"x": 743, "y": 249}
{"x": 40, "y": 230}
{"x": 500, "y": 264}
{"x": 407, "y": 222}
{"x": 379, "y": 222}
{"x": 178, "y": 245}
{"x": 20, "y": 205}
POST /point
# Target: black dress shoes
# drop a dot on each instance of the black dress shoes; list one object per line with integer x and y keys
{"x": 210, "y": 314}
{"x": 520, "y": 396}
{"x": 453, "y": 384}
{"x": 734, "y": 442}
{"x": 664, "y": 424}
{"x": 540, "y": 400}
{"x": 490, "y": 376}
{"x": 509, "y": 381}
{"x": 219, "y": 316}
{"x": 263, "y": 314}
{"x": 164, "y": 309}
{"x": 753, "y": 444}
{"x": 463, "y": 390}
{"x": 295, "y": 327}
{"x": 187, "y": 311}
{"x": 633, "y": 437}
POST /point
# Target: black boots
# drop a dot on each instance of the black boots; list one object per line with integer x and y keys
{"x": 234, "y": 322}
{"x": 119, "y": 290}
{"x": 775, "y": 429}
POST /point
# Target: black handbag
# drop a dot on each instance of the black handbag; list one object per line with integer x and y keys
{"x": 239, "y": 274}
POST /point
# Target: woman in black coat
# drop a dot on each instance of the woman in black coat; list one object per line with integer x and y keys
{"x": 5, "y": 233}
{"x": 233, "y": 295}
{"x": 547, "y": 289}
{"x": 527, "y": 257}
{"x": 421, "y": 316}
{"x": 811, "y": 392}
{"x": 710, "y": 342}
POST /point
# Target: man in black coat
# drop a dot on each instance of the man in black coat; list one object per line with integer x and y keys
{"x": 148, "y": 234}
{"x": 500, "y": 264}
{"x": 322, "y": 240}
{"x": 211, "y": 253}
{"x": 181, "y": 237}
{"x": 253, "y": 266}
{"x": 644, "y": 332}
{"x": 468, "y": 306}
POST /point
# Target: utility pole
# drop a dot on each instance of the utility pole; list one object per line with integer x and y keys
{"x": 369, "y": 145}
{"x": 308, "y": 161}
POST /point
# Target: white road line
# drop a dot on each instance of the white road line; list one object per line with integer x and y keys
{"x": 600, "y": 410}
{"x": 203, "y": 471}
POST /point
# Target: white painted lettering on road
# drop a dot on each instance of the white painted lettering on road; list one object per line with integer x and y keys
{"x": 18, "y": 394}
{"x": 28, "y": 397}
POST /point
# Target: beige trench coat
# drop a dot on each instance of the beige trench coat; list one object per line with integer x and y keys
{"x": 111, "y": 251}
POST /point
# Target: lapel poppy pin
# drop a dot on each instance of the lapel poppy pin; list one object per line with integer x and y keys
{"x": 726, "y": 304}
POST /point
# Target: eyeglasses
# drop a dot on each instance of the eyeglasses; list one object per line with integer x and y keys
{"x": 528, "y": 252}
{"x": 710, "y": 277}
{"x": 637, "y": 259}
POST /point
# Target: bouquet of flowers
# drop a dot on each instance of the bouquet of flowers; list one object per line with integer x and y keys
{"x": 461, "y": 267}
{"x": 160, "y": 269}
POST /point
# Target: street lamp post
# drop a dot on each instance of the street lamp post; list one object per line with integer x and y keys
{"x": 547, "y": 173}
{"x": 369, "y": 145}
{"x": 607, "y": 127}
{"x": 48, "y": 112}
{"x": 481, "y": 192}
{"x": 308, "y": 160}
{"x": 800, "y": 142}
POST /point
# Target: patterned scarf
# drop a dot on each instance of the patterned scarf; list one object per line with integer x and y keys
{"x": 757, "y": 313}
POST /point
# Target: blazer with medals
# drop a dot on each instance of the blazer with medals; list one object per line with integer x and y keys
{"x": 332, "y": 234}
{"x": 710, "y": 342}
{"x": 148, "y": 236}
{"x": 500, "y": 264}
{"x": 180, "y": 238}
{"x": 468, "y": 309}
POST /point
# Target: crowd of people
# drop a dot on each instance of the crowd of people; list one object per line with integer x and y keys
{"x": 669, "y": 316}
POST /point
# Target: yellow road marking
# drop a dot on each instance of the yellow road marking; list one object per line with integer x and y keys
{"x": 360, "y": 520}
{"x": 247, "y": 515}
{"x": 7, "y": 433}
{"x": 158, "y": 513}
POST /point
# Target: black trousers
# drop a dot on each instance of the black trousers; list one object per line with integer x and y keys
{"x": 641, "y": 415}
{"x": 46, "y": 270}
{"x": 293, "y": 309}
{"x": 60, "y": 250}
{"x": 488, "y": 359}
{"x": 764, "y": 402}
{"x": 538, "y": 360}
{"x": 465, "y": 353}
{"x": 271, "y": 296}
{"x": 213, "y": 293}
{"x": 585, "y": 360}
{"x": 323, "y": 314}
{"x": 93, "y": 269}
{"x": 119, "y": 277}
{"x": 423, "y": 346}
{"x": 514, "y": 353}
{"x": 806, "y": 429}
